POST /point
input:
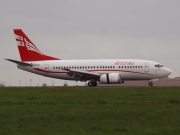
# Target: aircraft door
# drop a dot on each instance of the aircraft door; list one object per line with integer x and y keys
{"x": 146, "y": 67}
{"x": 46, "y": 67}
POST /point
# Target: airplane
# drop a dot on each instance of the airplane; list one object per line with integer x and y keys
{"x": 104, "y": 71}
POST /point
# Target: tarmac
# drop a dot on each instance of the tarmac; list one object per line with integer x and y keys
{"x": 160, "y": 83}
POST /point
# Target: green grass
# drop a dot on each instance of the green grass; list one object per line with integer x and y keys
{"x": 81, "y": 110}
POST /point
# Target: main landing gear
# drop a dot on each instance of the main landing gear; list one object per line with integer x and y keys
{"x": 92, "y": 83}
{"x": 150, "y": 84}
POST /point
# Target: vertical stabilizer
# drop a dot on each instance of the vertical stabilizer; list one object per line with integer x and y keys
{"x": 27, "y": 50}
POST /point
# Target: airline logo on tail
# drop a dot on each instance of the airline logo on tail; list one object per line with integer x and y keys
{"x": 27, "y": 50}
{"x": 23, "y": 42}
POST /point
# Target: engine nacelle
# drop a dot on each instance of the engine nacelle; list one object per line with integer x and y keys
{"x": 111, "y": 78}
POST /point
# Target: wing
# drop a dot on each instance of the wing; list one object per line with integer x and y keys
{"x": 82, "y": 75}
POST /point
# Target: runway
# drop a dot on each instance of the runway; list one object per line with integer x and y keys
{"x": 174, "y": 82}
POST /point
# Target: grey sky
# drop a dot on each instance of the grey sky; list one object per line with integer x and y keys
{"x": 96, "y": 29}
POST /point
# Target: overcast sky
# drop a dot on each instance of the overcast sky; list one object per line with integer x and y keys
{"x": 90, "y": 29}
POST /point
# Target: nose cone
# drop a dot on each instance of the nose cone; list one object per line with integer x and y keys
{"x": 168, "y": 71}
{"x": 163, "y": 72}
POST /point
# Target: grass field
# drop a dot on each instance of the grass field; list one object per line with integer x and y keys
{"x": 91, "y": 111}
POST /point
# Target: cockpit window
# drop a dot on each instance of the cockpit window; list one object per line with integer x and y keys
{"x": 159, "y": 66}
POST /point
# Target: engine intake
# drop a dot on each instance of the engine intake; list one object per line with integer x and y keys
{"x": 111, "y": 78}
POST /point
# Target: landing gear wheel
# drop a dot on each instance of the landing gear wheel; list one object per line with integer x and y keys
{"x": 90, "y": 84}
{"x": 150, "y": 84}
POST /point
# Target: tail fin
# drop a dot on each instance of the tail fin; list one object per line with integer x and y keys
{"x": 28, "y": 51}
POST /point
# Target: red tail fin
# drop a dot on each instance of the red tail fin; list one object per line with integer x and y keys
{"x": 28, "y": 51}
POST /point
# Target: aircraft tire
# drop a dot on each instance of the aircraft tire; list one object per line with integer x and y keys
{"x": 90, "y": 84}
{"x": 150, "y": 84}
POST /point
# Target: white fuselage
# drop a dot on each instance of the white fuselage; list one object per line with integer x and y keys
{"x": 129, "y": 69}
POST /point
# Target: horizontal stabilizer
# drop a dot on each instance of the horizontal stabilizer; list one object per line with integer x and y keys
{"x": 19, "y": 62}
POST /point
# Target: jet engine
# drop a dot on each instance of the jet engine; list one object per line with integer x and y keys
{"x": 111, "y": 78}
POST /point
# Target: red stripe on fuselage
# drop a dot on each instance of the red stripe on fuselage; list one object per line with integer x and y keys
{"x": 41, "y": 70}
{"x": 121, "y": 71}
